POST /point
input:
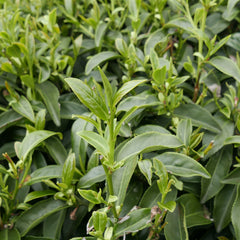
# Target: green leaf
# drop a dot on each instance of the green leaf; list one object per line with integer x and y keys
{"x": 159, "y": 75}
{"x": 52, "y": 225}
{"x": 96, "y": 140}
{"x": 107, "y": 87}
{"x": 145, "y": 167}
{"x": 141, "y": 101}
{"x": 91, "y": 196}
{"x": 151, "y": 128}
{"x": 38, "y": 194}
{"x": 135, "y": 221}
{"x": 194, "y": 212}
{"x": 182, "y": 165}
{"x": 218, "y": 166}
{"x": 95, "y": 175}
{"x": 155, "y": 38}
{"x": 56, "y": 150}
{"x": 8, "y": 118}
{"x": 10, "y": 234}
{"x": 50, "y": 94}
{"x": 121, "y": 178}
{"x": 223, "y": 203}
{"x": 69, "y": 169}
{"x": 184, "y": 131}
{"x": 32, "y": 140}
{"x": 99, "y": 221}
{"x": 152, "y": 196}
{"x": 48, "y": 172}
{"x": 227, "y": 66}
{"x": 121, "y": 47}
{"x": 147, "y": 142}
{"x": 89, "y": 97}
{"x": 98, "y": 59}
{"x": 233, "y": 177}
{"x": 199, "y": 116}
{"x": 176, "y": 227}
{"x": 126, "y": 88}
{"x": 37, "y": 213}
{"x": 100, "y": 31}
{"x": 235, "y": 214}
{"x": 27, "y": 80}
{"x": 232, "y": 140}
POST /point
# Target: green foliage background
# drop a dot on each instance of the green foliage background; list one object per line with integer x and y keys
{"x": 119, "y": 119}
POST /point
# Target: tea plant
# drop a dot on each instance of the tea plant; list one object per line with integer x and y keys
{"x": 119, "y": 119}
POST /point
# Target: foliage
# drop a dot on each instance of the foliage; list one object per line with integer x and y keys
{"x": 119, "y": 119}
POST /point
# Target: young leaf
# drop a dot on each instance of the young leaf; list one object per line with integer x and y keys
{"x": 99, "y": 221}
{"x": 107, "y": 88}
{"x": 126, "y": 88}
{"x": 38, "y": 194}
{"x": 32, "y": 140}
{"x": 121, "y": 47}
{"x": 50, "y": 94}
{"x": 145, "y": 167}
{"x": 182, "y": 165}
{"x": 36, "y": 214}
{"x": 23, "y": 107}
{"x": 161, "y": 172}
{"x": 176, "y": 227}
{"x": 98, "y": 59}
{"x": 91, "y": 196}
{"x": 96, "y": 140}
{"x": 235, "y": 214}
{"x": 69, "y": 169}
{"x": 147, "y": 142}
{"x": 88, "y": 97}
{"x": 226, "y": 66}
{"x": 100, "y": 31}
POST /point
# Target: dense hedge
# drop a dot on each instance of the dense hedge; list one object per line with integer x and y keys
{"x": 119, "y": 119}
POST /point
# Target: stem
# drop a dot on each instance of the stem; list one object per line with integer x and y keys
{"x": 200, "y": 48}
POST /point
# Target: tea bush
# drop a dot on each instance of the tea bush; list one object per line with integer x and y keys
{"x": 119, "y": 119}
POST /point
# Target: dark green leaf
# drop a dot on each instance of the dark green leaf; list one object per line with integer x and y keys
{"x": 198, "y": 115}
{"x": 23, "y": 107}
{"x": 137, "y": 220}
{"x": 50, "y": 94}
{"x": 96, "y": 140}
{"x": 95, "y": 175}
{"x": 147, "y": 142}
{"x": 121, "y": 178}
{"x": 98, "y": 59}
{"x": 56, "y": 150}
{"x": 32, "y": 140}
{"x": 223, "y": 203}
{"x": 126, "y": 88}
{"x": 36, "y": 214}
{"x": 48, "y": 172}
{"x": 233, "y": 177}
{"x": 156, "y": 37}
{"x": 218, "y": 166}
{"x": 226, "y": 66}
{"x": 38, "y": 194}
{"x": 176, "y": 227}
{"x": 8, "y": 118}
{"x": 10, "y": 234}
{"x": 194, "y": 212}
{"x": 182, "y": 165}
{"x": 235, "y": 214}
